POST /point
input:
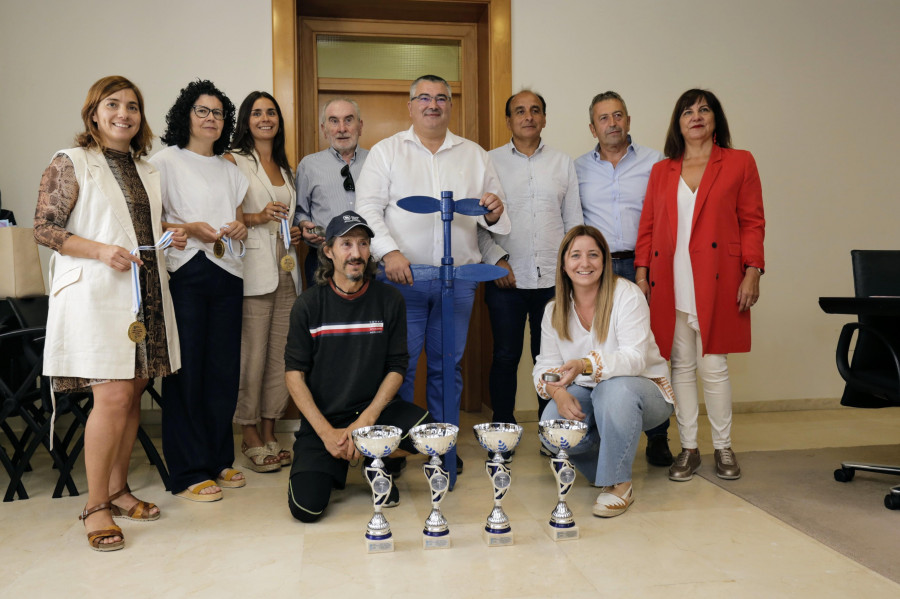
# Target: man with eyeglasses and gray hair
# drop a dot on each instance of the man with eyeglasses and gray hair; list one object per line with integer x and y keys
{"x": 425, "y": 160}
{"x": 326, "y": 180}
{"x": 612, "y": 182}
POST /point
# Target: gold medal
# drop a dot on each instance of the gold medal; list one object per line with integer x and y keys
{"x": 287, "y": 263}
{"x": 137, "y": 332}
{"x": 219, "y": 248}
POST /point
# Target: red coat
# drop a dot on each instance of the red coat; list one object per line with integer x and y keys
{"x": 726, "y": 236}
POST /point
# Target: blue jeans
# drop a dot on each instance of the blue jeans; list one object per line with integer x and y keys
{"x": 617, "y": 411}
{"x": 624, "y": 267}
{"x": 423, "y": 329}
{"x": 508, "y": 309}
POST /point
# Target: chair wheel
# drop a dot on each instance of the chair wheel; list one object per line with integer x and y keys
{"x": 892, "y": 502}
{"x": 844, "y": 475}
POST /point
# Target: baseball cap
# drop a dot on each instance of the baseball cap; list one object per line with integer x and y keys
{"x": 343, "y": 223}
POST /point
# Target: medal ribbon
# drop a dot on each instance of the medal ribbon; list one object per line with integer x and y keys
{"x": 228, "y": 243}
{"x": 286, "y": 233}
{"x": 164, "y": 242}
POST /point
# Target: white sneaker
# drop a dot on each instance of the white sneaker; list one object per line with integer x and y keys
{"x": 609, "y": 505}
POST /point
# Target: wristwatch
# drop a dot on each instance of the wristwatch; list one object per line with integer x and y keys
{"x": 587, "y": 368}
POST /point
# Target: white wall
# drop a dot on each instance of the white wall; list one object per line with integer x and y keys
{"x": 809, "y": 86}
{"x": 52, "y": 51}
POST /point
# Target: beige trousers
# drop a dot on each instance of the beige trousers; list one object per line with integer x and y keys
{"x": 262, "y": 392}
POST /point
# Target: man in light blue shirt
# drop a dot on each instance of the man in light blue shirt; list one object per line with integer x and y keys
{"x": 326, "y": 180}
{"x": 542, "y": 201}
{"x": 612, "y": 181}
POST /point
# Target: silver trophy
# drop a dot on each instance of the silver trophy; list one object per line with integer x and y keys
{"x": 435, "y": 440}
{"x": 498, "y": 437}
{"x": 377, "y": 442}
{"x": 562, "y": 435}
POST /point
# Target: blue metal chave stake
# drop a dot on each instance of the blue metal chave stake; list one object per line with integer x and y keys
{"x": 447, "y": 273}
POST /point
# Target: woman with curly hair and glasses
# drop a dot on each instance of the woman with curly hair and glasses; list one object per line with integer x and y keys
{"x": 202, "y": 193}
{"x": 271, "y": 277}
{"x": 98, "y": 202}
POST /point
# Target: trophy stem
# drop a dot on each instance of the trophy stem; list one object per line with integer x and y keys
{"x": 497, "y": 530}
{"x": 436, "y": 534}
{"x": 378, "y": 530}
{"x": 562, "y": 525}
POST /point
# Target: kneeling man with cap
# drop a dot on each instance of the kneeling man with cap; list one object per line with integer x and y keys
{"x": 345, "y": 360}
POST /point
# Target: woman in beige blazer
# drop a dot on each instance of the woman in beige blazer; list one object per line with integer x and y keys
{"x": 270, "y": 277}
{"x": 99, "y": 208}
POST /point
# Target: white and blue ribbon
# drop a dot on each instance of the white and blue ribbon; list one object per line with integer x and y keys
{"x": 228, "y": 243}
{"x": 286, "y": 233}
{"x": 164, "y": 242}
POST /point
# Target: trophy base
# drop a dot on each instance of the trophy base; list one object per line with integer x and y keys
{"x": 379, "y": 544}
{"x": 558, "y": 533}
{"x": 497, "y": 539}
{"x": 436, "y": 542}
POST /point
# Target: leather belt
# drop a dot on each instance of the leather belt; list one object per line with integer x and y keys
{"x": 626, "y": 255}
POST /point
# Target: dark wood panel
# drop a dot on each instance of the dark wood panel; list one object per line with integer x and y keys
{"x": 396, "y": 10}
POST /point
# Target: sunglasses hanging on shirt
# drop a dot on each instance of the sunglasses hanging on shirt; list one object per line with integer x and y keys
{"x": 348, "y": 178}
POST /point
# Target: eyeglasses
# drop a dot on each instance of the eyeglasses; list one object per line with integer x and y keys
{"x": 203, "y": 112}
{"x": 425, "y": 99}
{"x": 348, "y": 178}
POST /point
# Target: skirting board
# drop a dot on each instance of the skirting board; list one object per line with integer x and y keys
{"x": 739, "y": 407}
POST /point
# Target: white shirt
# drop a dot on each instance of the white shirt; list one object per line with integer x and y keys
{"x": 629, "y": 349}
{"x": 543, "y": 204}
{"x": 199, "y": 188}
{"x": 682, "y": 271}
{"x": 401, "y": 166}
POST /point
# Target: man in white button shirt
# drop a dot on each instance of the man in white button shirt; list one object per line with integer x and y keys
{"x": 542, "y": 202}
{"x": 426, "y": 160}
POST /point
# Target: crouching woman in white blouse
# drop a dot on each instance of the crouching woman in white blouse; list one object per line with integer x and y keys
{"x": 596, "y": 335}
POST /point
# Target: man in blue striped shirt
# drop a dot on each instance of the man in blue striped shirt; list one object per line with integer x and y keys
{"x": 542, "y": 201}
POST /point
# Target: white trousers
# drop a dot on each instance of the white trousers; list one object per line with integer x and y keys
{"x": 687, "y": 361}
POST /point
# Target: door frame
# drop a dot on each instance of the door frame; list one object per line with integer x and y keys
{"x": 311, "y": 84}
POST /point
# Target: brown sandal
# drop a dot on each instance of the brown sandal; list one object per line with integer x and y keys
{"x": 94, "y": 537}
{"x": 139, "y": 512}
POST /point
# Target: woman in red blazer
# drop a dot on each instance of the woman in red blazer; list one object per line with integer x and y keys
{"x": 699, "y": 255}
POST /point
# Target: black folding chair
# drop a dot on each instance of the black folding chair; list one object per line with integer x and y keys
{"x": 67, "y": 448}
{"x": 19, "y": 392}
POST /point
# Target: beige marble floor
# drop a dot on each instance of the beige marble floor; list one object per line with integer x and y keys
{"x": 678, "y": 539}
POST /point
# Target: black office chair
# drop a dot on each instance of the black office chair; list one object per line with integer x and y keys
{"x": 873, "y": 374}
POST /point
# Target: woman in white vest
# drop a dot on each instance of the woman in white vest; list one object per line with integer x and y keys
{"x": 99, "y": 209}
{"x": 202, "y": 192}
{"x": 270, "y": 277}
